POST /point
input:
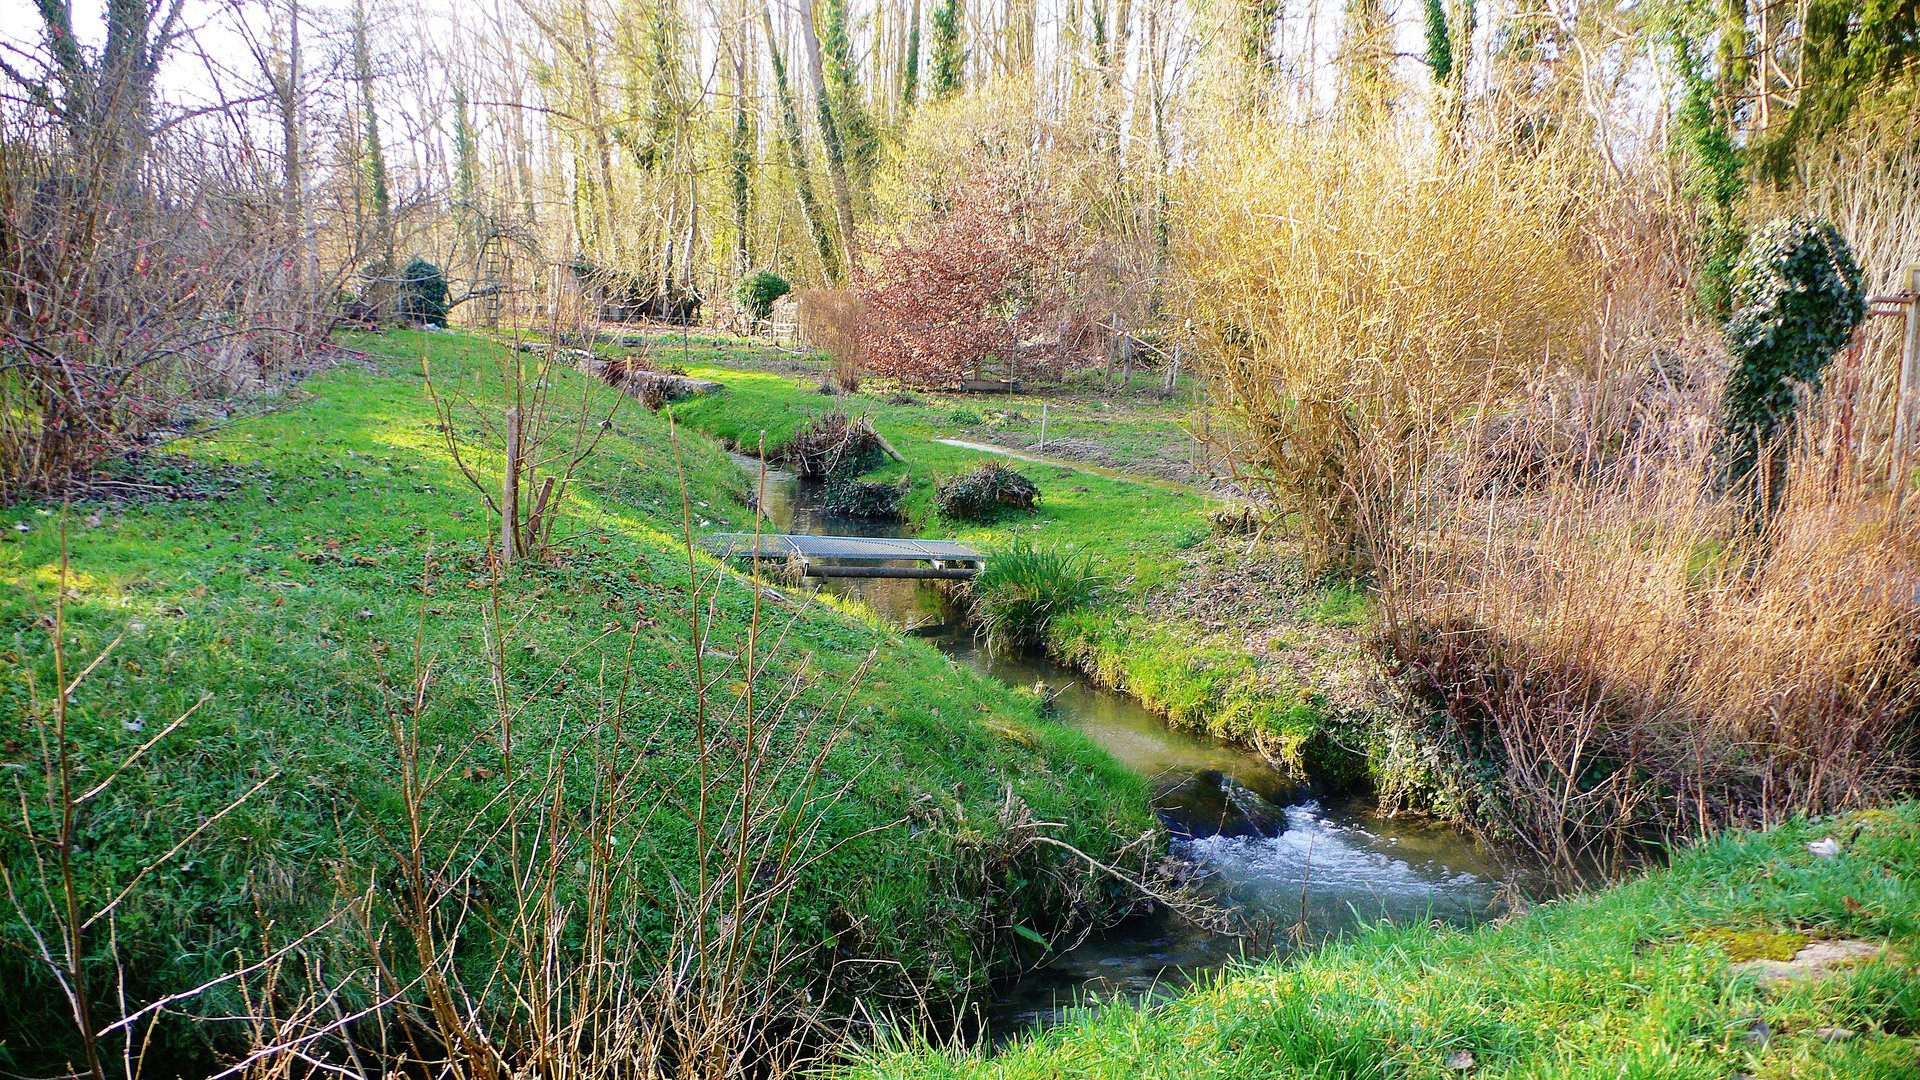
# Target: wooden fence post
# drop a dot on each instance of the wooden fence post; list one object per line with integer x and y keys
{"x": 1903, "y": 396}
{"x": 510, "y": 494}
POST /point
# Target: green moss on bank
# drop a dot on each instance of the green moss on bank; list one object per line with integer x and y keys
{"x": 1197, "y": 685}
{"x": 1635, "y": 981}
{"x": 340, "y": 531}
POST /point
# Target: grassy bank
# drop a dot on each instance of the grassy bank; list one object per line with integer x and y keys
{"x": 311, "y": 568}
{"x": 1637, "y": 981}
{"x": 1149, "y": 536}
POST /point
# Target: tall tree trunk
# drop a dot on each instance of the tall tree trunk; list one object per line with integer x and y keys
{"x": 1366, "y": 55}
{"x": 857, "y": 135}
{"x": 949, "y": 57}
{"x": 910, "y": 64}
{"x": 740, "y": 161}
{"x": 830, "y": 138}
{"x": 373, "y": 165}
{"x": 796, "y": 149}
{"x": 303, "y": 264}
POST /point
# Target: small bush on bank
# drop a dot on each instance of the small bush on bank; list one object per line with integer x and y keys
{"x": 985, "y": 492}
{"x": 757, "y": 291}
{"x": 829, "y": 320}
{"x": 423, "y": 293}
{"x": 1023, "y": 588}
{"x": 862, "y": 499}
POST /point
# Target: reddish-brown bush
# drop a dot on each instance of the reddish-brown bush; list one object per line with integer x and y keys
{"x": 830, "y": 320}
{"x": 974, "y": 287}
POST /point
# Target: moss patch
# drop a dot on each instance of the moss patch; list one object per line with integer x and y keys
{"x": 1750, "y": 944}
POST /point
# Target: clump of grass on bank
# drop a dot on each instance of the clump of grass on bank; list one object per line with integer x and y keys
{"x": 1024, "y": 588}
{"x": 1634, "y": 981}
{"x": 295, "y": 596}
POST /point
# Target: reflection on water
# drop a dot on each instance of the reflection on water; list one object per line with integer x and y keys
{"x": 1289, "y": 864}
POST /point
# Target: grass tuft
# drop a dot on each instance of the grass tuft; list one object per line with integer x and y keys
{"x": 1024, "y": 588}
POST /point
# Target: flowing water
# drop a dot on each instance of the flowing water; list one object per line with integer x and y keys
{"x": 1291, "y": 863}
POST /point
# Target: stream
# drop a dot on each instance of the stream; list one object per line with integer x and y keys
{"x": 1272, "y": 852}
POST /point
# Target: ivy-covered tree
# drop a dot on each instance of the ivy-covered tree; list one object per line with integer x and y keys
{"x": 910, "y": 64}
{"x": 1715, "y": 181}
{"x": 857, "y": 132}
{"x": 949, "y": 59}
{"x": 1798, "y": 297}
{"x": 1439, "y": 42}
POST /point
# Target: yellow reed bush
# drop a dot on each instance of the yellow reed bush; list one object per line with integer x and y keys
{"x": 1361, "y": 294}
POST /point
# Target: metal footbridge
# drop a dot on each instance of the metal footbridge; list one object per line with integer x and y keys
{"x": 852, "y": 556}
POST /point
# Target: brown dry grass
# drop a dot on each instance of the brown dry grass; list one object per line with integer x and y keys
{"x": 1616, "y": 666}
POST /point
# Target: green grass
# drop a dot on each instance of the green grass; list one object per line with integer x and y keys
{"x": 1133, "y": 529}
{"x": 293, "y": 598}
{"x": 1197, "y": 684}
{"x": 1636, "y": 981}
{"x": 1341, "y": 603}
{"x": 1024, "y": 588}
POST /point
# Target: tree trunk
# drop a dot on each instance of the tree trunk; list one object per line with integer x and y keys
{"x": 302, "y": 269}
{"x": 830, "y": 136}
{"x": 373, "y": 164}
{"x": 910, "y": 64}
{"x": 797, "y": 153}
{"x": 740, "y": 175}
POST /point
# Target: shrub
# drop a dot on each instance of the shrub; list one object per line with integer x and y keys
{"x": 1798, "y": 298}
{"x": 125, "y": 303}
{"x": 1361, "y": 296}
{"x": 757, "y": 292}
{"x": 967, "y": 287}
{"x": 862, "y": 499}
{"x": 626, "y": 296}
{"x": 1597, "y": 669}
{"x": 984, "y": 492}
{"x": 1023, "y": 588}
{"x": 423, "y": 293}
{"x": 829, "y": 320}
